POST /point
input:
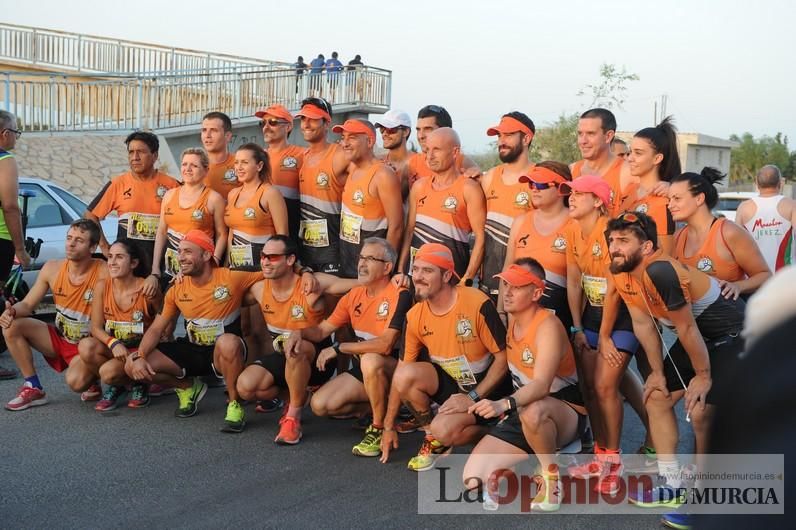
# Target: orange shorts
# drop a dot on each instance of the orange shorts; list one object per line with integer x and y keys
{"x": 65, "y": 351}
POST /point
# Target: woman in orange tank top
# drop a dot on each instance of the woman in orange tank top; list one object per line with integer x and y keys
{"x": 120, "y": 315}
{"x": 255, "y": 211}
{"x": 717, "y": 247}
{"x": 541, "y": 234}
{"x": 653, "y": 159}
{"x": 190, "y": 206}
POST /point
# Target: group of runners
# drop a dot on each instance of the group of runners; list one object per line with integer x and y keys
{"x": 413, "y": 292}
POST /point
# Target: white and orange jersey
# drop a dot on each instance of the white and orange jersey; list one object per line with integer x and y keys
{"x": 128, "y": 325}
{"x": 370, "y": 316}
{"x": 73, "y": 302}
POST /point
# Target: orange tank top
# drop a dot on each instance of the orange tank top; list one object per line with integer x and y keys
{"x": 285, "y": 166}
{"x": 707, "y": 258}
{"x": 284, "y": 316}
{"x": 521, "y": 355}
{"x": 505, "y": 202}
{"x": 128, "y": 325}
{"x": 73, "y": 302}
{"x": 250, "y": 224}
{"x": 655, "y": 206}
{"x": 222, "y": 177}
{"x": 179, "y": 221}
{"x": 549, "y": 250}
{"x": 612, "y": 177}
{"x": 320, "y": 194}
{"x": 362, "y": 213}
{"x": 418, "y": 167}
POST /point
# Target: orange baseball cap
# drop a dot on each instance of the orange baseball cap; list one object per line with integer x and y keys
{"x": 313, "y": 112}
{"x": 277, "y": 111}
{"x": 509, "y": 125}
{"x": 200, "y": 239}
{"x": 542, "y": 175}
{"x": 589, "y": 184}
{"x": 437, "y": 254}
{"x": 354, "y": 126}
{"x": 518, "y": 276}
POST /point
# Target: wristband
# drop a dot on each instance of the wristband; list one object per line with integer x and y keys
{"x": 135, "y": 356}
{"x": 113, "y": 341}
{"x": 512, "y": 403}
{"x": 385, "y": 429}
{"x": 336, "y": 348}
{"x": 575, "y": 329}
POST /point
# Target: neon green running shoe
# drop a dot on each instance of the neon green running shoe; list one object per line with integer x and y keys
{"x": 190, "y": 398}
{"x": 429, "y": 452}
{"x": 234, "y": 421}
{"x": 370, "y": 444}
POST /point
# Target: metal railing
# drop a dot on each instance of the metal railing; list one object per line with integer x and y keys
{"x": 74, "y": 52}
{"x": 79, "y": 102}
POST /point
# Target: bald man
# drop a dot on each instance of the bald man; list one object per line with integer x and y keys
{"x": 446, "y": 208}
{"x": 770, "y": 218}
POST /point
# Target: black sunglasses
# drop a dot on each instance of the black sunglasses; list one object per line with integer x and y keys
{"x": 15, "y": 131}
{"x": 273, "y": 122}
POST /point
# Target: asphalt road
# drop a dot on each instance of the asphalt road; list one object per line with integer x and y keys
{"x": 66, "y": 466}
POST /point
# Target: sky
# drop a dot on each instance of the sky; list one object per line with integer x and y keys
{"x": 726, "y": 66}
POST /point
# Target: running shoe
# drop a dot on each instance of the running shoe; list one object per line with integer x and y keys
{"x": 289, "y": 431}
{"x": 110, "y": 398}
{"x": 663, "y": 496}
{"x": 370, "y": 444}
{"x": 405, "y": 427}
{"x": 189, "y": 398}
{"x": 677, "y": 520}
{"x": 269, "y": 405}
{"x": 156, "y": 390}
{"x": 611, "y": 481}
{"x": 5, "y": 373}
{"x": 429, "y": 452}
{"x": 234, "y": 421}
{"x": 139, "y": 396}
{"x": 93, "y": 393}
{"x": 27, "y": 397}
{"x": 586, "y": 470}
{"x": 549, "y": 497}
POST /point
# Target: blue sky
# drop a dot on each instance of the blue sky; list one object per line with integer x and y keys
{"x": 726, "y": 66}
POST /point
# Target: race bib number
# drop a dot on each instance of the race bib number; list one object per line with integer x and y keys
{"x": 279, "y": 342}
{"x": 71, "y": 329}
{"x": 127, "y": 332}
{"x": 172, "y": 262}
{"x": 314, "y": 232}
{"x": 241, "y": 256}
{"x": 142, "y": 226}
{"x": 595, "y": 288}
{"x": 350, "y": 226}
{"x": 459, "y": 369}
{"x": 204, "y": 334}
{"x": 412, "y": 252}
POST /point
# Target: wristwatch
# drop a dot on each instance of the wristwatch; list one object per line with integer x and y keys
{"x": 474, "y": 396}
{"x": 575, "y": 329}
{"x": 512, "y": 404}
{"x": 336, "y": 348}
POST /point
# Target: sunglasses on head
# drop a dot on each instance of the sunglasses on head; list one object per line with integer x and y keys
{"x": 273, "y": 122}
{"x": 436, "y": 109}
{"x": 318, "y": 103}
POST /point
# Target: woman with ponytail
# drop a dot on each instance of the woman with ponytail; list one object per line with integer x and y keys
{"x": 715, "y": 246}
{"x": 653, "y": 159}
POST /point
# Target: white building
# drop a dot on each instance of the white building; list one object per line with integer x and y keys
{"x": 698, "y": 150}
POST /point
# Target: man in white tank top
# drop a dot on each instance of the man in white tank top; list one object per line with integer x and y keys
{"x": 770, "y": 218}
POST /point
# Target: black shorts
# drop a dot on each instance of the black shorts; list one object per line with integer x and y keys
{"x": 447, "y": 386}
{"x": 6, "y": 258}
{"x": 723, "y": 352}
{"x": 275, "y": 363}
{"x": 555, "y": 299}
{"x": 356, "y": 368}
{"x": 195, "y": 360}
{"x": 510, "y": 428}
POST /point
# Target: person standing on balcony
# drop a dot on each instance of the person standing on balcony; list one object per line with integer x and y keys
{"x": 12, "y": 238}
{"x": 321, "y": 181}
{"x": 285, "y": 160}
{"x": 316, "y": 69}
{"x": 136, "y": 195}
{"x": 354, "y": 63}
{"x": 216, "y": 136}
{"x": 300, "y": 67}
{"x": 353, "y": 78}
{"x": 333, "y": 68}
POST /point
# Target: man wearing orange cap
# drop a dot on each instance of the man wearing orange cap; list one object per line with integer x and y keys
{"x": 506, "y": 196}
{"x": 546, "y": 410}
{"x": 209, "y": 298}
{"x": 285, "y": 159}
{"x": 446, "y": 208}
{"x": 372, "y": 205}
{"x": 216, "y": 136}
{"x": 454, "y": 355}
{"x": 321, "y": 180}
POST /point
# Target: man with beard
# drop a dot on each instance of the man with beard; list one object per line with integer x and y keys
{"x": 454, "y": 354}
{"x": 321, "y": 180}
{"x": 216, "y": 136}
{"x": 72, "y": 282}
{"x": 395, "y": 127}
{"x": 656, "y": 287}
{"x": 285, "y": 160}
{"x": 506, "y": 197}
{"x": 371, "y": 197}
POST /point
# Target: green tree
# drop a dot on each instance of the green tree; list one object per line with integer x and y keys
{"x": 611, "y": 90}
{"x": 557, "y": 141}
{"x": 753, "y": 153}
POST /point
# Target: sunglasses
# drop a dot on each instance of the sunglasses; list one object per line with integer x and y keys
{"x": 371, "y": 259}
{"x": 271, "y": 257}
{"x": 273, "y": 122}
{"x": 436, "y": 109}
{"x": 15, "y": 131}
{"x": 394, "y": 130}
{"x": 543, "y": 185}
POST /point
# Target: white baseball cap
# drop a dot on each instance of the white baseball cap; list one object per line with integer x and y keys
{"x": 393, "y": 119}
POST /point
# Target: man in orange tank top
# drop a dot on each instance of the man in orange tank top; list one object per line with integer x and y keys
{"x": 72, "y": 282}
{"x": 396, "y": 127}
{"x": 454, "y": 355}
{"x": 285, "y": 159}
{"x": 321, "y": 180}
{"x": 506, "y": 196}
{"x": 287, "y": 306}
{"x": 136, "y": 195}
{"x": 216, "y": 136}
{"x": 372, "y": 205}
